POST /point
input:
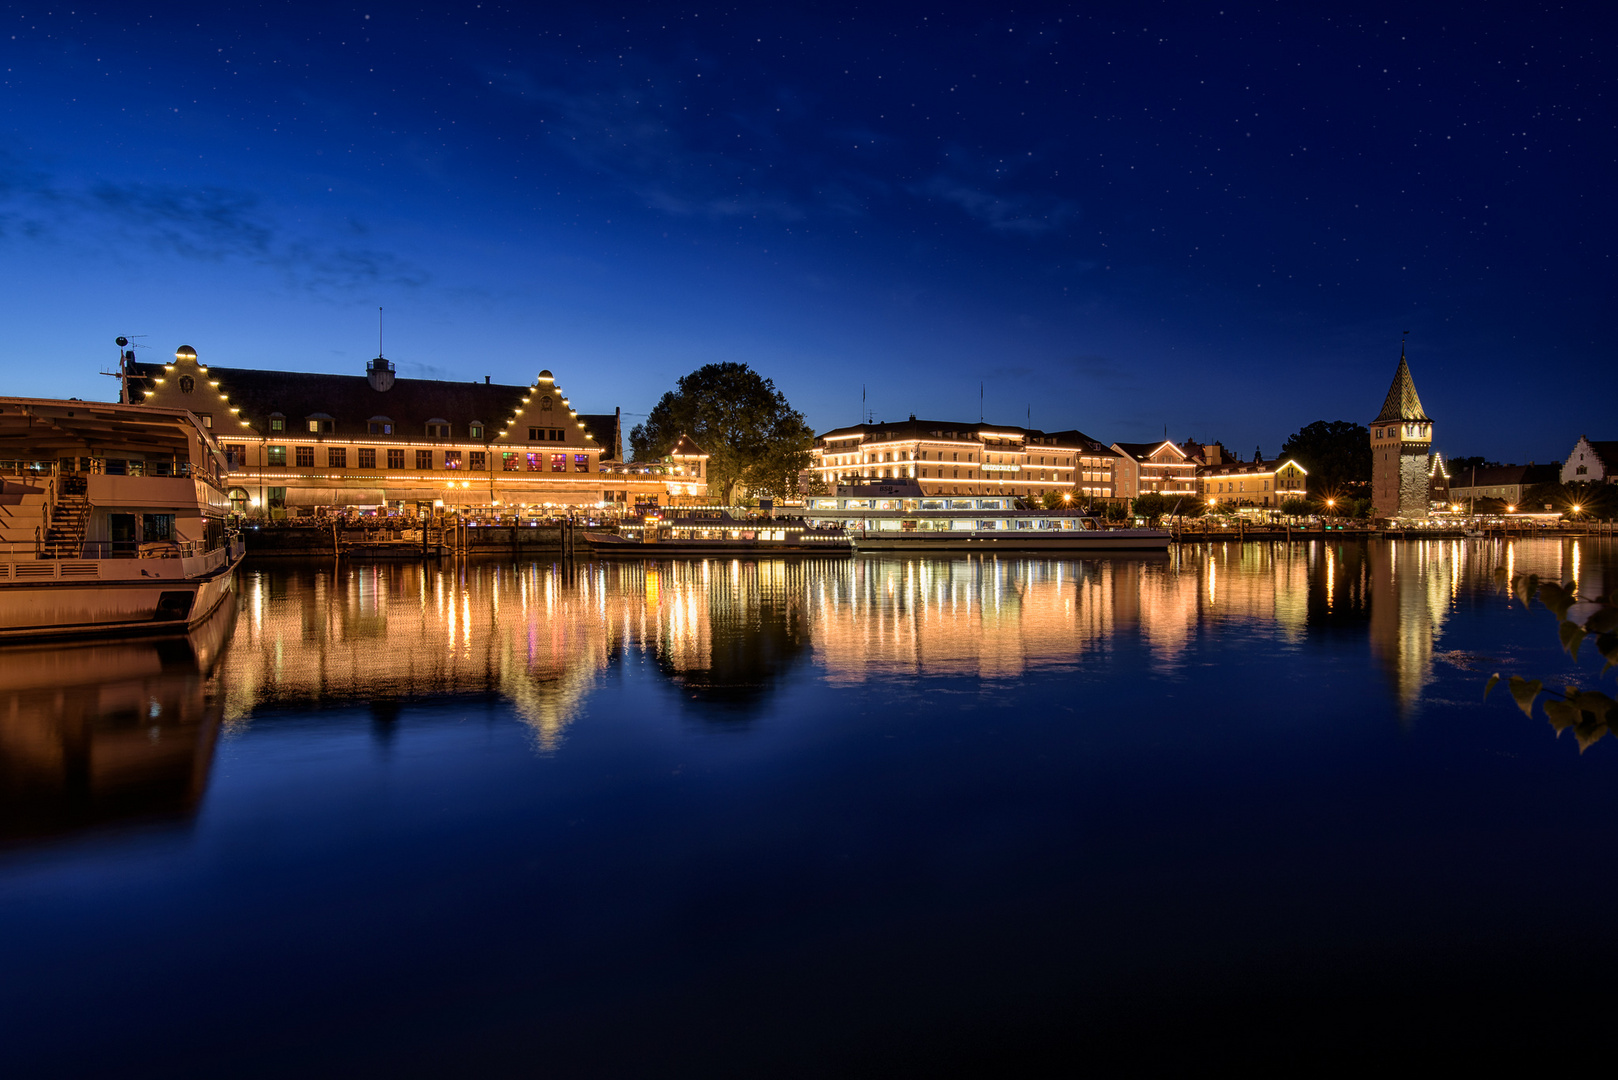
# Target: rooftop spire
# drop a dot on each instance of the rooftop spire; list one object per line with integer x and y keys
{"x": 1402, "y": 402}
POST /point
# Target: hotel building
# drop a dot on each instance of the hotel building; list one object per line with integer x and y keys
{"x": 1255, "y": 483}
{"x": 1161, "y": 468}
{"x": 299, "y": 440}
{"x": 951, "y": 458}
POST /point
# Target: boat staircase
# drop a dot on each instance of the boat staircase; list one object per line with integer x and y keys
{"x": 24, "y": 517}
{"x": 64, "y": 536}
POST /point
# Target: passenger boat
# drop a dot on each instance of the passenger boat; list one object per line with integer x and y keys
{"x": 113, "y": 520}
{"x": 715, "y": 531}
{"x": 896, "y": 517}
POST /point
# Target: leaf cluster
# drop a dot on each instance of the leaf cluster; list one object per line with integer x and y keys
{"x": 1588, "y": 712}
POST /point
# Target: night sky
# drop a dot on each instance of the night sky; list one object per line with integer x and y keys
{"x": 1214, "y": 219}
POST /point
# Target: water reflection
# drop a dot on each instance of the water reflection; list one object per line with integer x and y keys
{"x": 102, "y": 732}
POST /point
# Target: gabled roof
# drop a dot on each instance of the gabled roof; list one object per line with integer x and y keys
{"x": 1140, "y": 451}
{"x": 685, "y": 446}
{"x": 963, "y": 432}
{"x": 352, "y": 402}
{"x": 1607, "y": 452}
{"x": 1248, "y": 468}
{"x": 1402, "y": 402}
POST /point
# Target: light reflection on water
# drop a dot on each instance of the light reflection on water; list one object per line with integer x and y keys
{"x": 97, "y": 732}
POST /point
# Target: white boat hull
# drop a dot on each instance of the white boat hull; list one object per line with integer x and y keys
{"x": 70, "y": 598}
{"x": 1075, "y": 540}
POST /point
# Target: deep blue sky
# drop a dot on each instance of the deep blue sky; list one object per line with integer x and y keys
{"x": 1215, "y": 217}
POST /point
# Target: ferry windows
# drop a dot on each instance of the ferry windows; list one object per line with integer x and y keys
{"x": 424, "y": 459}
{"x": 452, "y": 459}
{"x": 305, "y": 457}
{"x": 581, "y": 462}
{"x": 535, "y": 462}
{"x": 337, "y": 457}
{"x": 156, "y": 527}
{"x": 367, "y": 458}
{"x": 480, "y": 461}
{"x": 558, "y": 463}
{"x": 395, "y": 459}
{"x": 508, "y": 461}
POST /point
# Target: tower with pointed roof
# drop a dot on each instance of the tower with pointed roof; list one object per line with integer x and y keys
{"x": 1401, "y": 439}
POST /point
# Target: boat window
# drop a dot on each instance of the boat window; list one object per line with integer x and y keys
{"x": 932, "y": 504}
{"x": 988, "y": 526}
{"x": 989, "y": 504}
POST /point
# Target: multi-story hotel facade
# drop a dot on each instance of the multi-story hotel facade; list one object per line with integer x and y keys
{"x": 953, "y": 458}
{"x": 1253, "y": 483}
{"x": 1154, "y": 468}
{"x": 297, "y": 441}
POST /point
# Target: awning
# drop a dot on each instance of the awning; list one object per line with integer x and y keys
{"x": 297, "y": 496}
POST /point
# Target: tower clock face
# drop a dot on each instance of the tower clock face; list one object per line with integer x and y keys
{"x": 187, "y": 384}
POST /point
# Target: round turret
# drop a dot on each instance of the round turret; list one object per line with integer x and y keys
{"x": 185, "y": 352}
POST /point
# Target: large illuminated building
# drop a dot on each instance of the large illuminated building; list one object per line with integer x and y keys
{"x": 299, "y": 440}
{"x": 947, "y": 457}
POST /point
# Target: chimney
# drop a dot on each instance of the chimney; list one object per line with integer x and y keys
{"x": 485, "y": 380}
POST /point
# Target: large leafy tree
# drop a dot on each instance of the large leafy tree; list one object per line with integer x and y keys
{"x": 1337, "y": 454}
{"x": 755, "y": 441}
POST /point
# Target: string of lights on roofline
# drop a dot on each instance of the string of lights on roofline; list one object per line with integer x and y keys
{"x": 187, "y": 353}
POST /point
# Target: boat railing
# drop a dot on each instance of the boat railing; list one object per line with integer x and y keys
{"x": 151, "y": 549}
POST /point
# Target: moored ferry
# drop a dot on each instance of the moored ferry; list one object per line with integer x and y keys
{"x": 715, "y": 531}
{"x": 113, "y": 519}
{"x": 898, "y": 517}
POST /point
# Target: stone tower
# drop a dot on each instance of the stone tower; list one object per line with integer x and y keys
{"x": 1401, "y": 437}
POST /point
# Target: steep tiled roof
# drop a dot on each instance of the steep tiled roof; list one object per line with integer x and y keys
{"x": 1607, "y": 452}
{"x": 352, "y": 403}
{"x": 686, "y": 446}
{"x": 1402, "y": 402}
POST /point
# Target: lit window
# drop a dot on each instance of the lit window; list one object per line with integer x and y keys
{"x": 275, "y": 455}
{"x": 480, "y": 461}
{"x": 558, "y": 463}
{"x": 452, "y": 459}
{"x": 508, "y": 462}
{"x": 534, "y": 462}
{"x": 581, "y": 462}
{"x": 476, "y": 431}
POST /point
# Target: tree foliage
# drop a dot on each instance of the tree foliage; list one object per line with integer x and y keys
{"x": 754, "y": 439}
{"x": 1297, "y": 507}
{"x": 1459, "y": 467}
{"x": 1336, "y": 453}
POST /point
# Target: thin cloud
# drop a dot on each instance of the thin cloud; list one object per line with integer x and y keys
{"x": 1010, "y": 213}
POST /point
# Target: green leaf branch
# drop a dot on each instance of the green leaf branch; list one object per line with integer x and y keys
{"x": 1588, "y": 712}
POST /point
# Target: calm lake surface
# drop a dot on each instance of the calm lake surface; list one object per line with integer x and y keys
{"x": 849, "y": 817}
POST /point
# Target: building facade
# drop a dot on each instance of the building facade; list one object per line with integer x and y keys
{"x": 1503, "y": 483}
{"x": 1401, "y": 439}
{"x": 1155, "y": 468}
{"x": 1591, "y": 462}
{"x": 951, "y": 458}
{"x": 1254, "y": 483}
{"x": 296, "y": 441}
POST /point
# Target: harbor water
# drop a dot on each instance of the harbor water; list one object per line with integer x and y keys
{"x": 858, "y": 816}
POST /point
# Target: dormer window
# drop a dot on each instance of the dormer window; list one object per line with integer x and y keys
{"x": 475, "y": 430}
{"x": 321, "y": 423}
{"x": 437, "y": 428}
{"x": 379, "y": 425}
{"x": 278, "y": 422}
